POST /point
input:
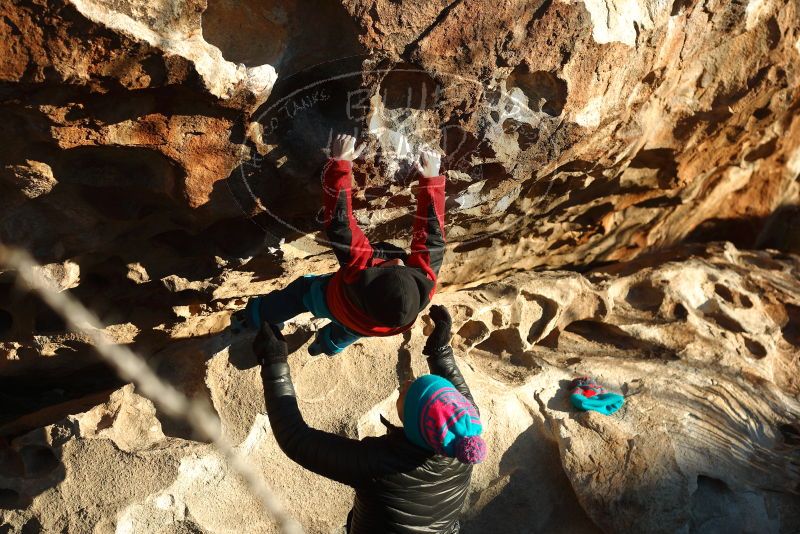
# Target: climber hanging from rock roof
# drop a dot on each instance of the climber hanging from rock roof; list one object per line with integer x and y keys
{"x": 411, "y": 480}
{"x": 378, "y": 290}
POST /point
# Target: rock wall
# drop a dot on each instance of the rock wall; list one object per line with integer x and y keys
{"x": 704, "y": 346}
{"x": 161, "y": 160}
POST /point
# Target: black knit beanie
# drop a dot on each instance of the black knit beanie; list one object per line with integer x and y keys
{"x": 393, "y": 296}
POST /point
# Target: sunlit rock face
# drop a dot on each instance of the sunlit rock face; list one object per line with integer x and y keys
{"x": 162, "y": 161}
{"x": 703, "y": 343}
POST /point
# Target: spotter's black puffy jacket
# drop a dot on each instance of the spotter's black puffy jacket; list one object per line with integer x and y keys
{"x": 400, "y": 487}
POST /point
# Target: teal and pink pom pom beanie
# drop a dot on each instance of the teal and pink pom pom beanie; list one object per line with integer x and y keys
{"x": 439, "y": 418}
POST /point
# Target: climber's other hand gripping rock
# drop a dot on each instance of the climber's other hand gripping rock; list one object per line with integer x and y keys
{"x": 429, "y": 163}
{"x": 344, "y": 148}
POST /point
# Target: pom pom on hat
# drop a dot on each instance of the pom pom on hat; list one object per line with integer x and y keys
{"x": 470, "y": 449}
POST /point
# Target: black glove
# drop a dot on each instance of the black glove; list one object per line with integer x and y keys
{"x": 269, "y": 345}
{"x": 440, "y": 337}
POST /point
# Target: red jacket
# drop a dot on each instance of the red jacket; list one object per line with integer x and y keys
{"x": 355, "y": 254}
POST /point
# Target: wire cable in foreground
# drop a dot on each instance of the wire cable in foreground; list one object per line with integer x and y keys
{"x": 133, "y": 368}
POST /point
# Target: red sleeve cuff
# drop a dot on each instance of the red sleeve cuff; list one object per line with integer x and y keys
{"x": 337, "y": 174}
{"x": 431, "y": 181}
{"x": 340, "y": 164}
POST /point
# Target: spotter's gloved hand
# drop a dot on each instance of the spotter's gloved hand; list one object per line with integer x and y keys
{"x": 269, "y": 345}
{"x": 440, "y": 337}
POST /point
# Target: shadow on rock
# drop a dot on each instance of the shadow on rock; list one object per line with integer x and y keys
{"x": 560, "y": 401}
{"x": 532, "y": 493}
{"x": 28, "y": 467}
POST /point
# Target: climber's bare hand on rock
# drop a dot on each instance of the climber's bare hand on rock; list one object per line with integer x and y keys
{"x": 429, "y": 163}
{"x": 344, "y": 148}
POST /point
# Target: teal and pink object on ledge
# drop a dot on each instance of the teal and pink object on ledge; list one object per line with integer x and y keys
{"x": 589, "y": 395}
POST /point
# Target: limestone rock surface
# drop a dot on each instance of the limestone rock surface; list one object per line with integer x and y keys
{"x": 703, "y": 344}
{"x": 623, "y": 200}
